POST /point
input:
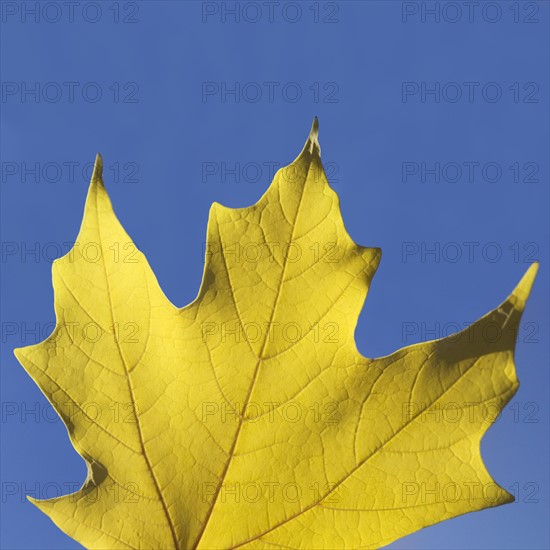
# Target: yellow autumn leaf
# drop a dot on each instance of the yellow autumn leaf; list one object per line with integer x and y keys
{"x": 248, "y": 419}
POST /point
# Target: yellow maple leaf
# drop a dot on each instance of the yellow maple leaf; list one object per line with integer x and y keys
{"x": 248, "y": 419}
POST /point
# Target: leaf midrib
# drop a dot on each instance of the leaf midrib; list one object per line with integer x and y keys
{"x": 131, "y": 391}
{"x": 256, "y": 369}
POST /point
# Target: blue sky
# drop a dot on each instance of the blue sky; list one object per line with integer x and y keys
{"x": 434, "y": 132}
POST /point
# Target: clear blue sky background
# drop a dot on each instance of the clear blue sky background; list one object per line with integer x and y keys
{"x": 356, "y": 56}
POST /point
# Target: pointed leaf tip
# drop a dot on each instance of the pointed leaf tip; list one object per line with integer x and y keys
{"x": 523, "y": 289}
{"x": 314, "y": 132}
{"x": 97, "y": 174}
{"x": 312, "y": 144}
